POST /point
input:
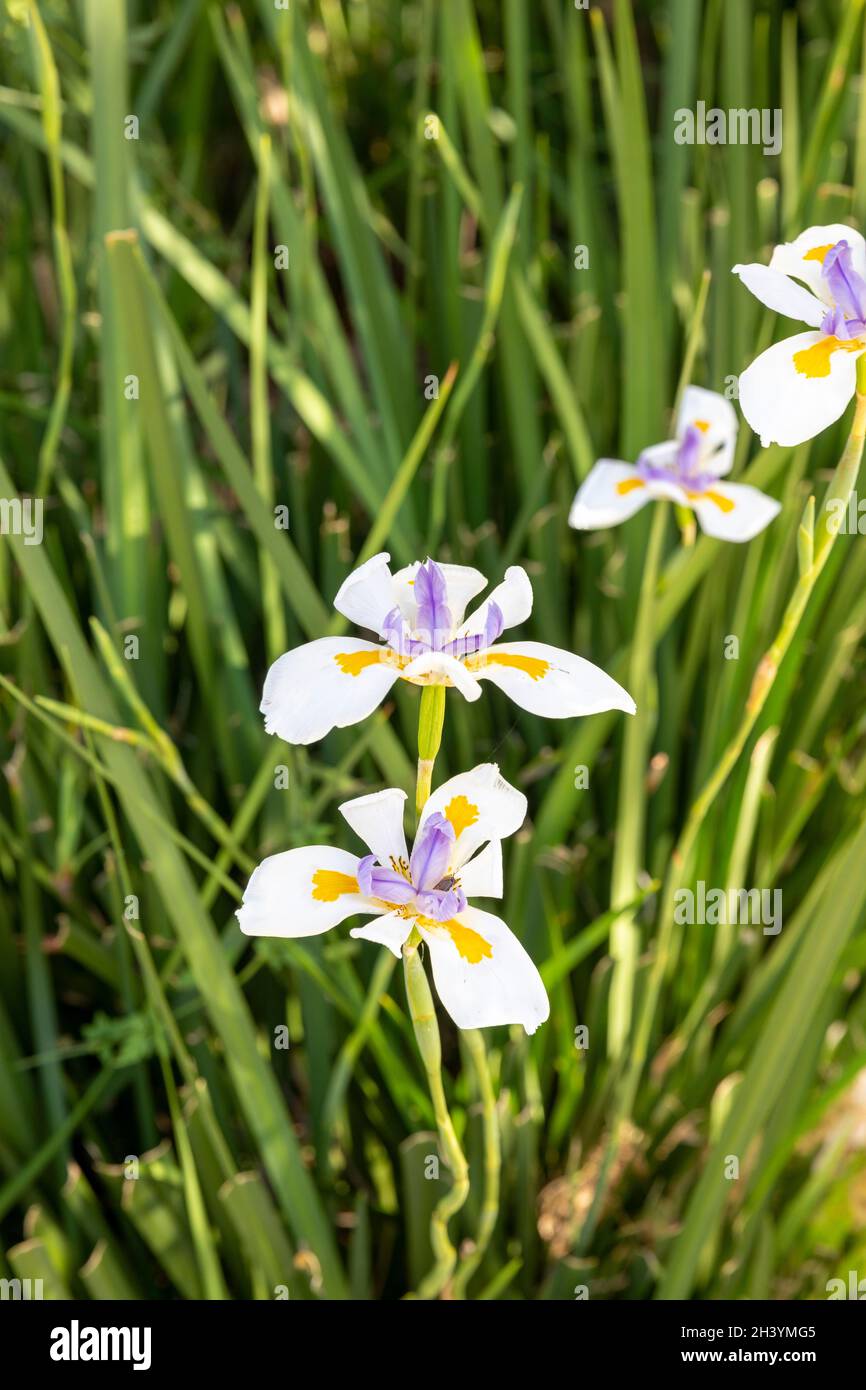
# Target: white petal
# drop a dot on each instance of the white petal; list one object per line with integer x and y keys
{"x": 513, "y": 597}
{"x": 368, "y": 595}
{"x": 461, "y": 581}
{"x": 548, "y": 681}
{"x": 463, "y": 584}
{"x": 482, "y": 876}
{"x": 715, "y": 417}
{"x": 610, "y": 493}
{"x": 734, "y": 511}
{"x": 797, "y": 257}
{"x": 480, "y": 805}
{"x": 659, "y": 490}
{"x": 778, "y": 292}
{"x": 302, "y": 892}
{"x": 662, "y": 455}
{"x": 448, "y": 668}
{"x": 785, "y": 405}
{"x": 390, "y": 930}
{"x": 378, "y": 820}
{"x": 482, "y": 973}
{"x": 325, "y": 685}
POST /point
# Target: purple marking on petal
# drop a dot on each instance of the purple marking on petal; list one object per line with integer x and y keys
{"x": 396, "y": 633}
{"x": 834, "y": 323}
{"x": 846, "y": 286}
{"x": 655, "y": 472}
{"x": 494, "y": 624}
{"x": 689, "y": 453}
{"x": 394, "y": 630}
{"x": 433, "y": 619}
{"x": 376, "y": 882}
{"x": 683, "y": 467}
{"x": 431, "y": 852}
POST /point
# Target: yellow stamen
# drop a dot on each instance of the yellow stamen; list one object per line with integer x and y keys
{"x": 461, "y": 813}
{"x": 724, "y": 504}
{"x": 702, "y": 425}
{"x": 330, "y": 884}
{"x": 628, "y": 485}
{"x": 353, "y": 663}
{"x": 818, "y": 253}
{"x": 814, "y": 361}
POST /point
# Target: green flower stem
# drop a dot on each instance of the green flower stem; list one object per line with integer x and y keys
{"x": 431, "y": 718}
{"x": 423, "y": 1014}
{"x": 628, "y": 851}
{"x": 814, "y": 546}
{"x": 489, "y": 1215}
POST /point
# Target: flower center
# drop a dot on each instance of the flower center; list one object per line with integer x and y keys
{"x": 684, "y": 466}
{"x": 425, "y": 886}
{"x": 433, "y": 628}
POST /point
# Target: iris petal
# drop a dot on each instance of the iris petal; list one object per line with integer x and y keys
{"x": 433, "y": 621}
{"x": 431, "y": 852}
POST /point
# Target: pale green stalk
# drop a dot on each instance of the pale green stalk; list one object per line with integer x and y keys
{"x": 423, "y": 1014}
{"x": 489, "y": 1215}
{"x": 431, "y": 718}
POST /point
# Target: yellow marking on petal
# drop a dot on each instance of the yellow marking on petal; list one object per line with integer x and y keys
{"x": 702, "y": 425}
{"x": 628, "y": 485}
{"x": 472, "y": 947}
{"x": 814, "y": 361}
{"x": 353, "y": 663}
{"x": 330, "y": 884}
{"x": 724, "y": 504}
{"x": 534, "y": 666}
{"x": 818, "y": 253}
{"x": 461, "y": 813}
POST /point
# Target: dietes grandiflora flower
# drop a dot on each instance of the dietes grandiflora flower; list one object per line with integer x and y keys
{"x": 481, "y": 972}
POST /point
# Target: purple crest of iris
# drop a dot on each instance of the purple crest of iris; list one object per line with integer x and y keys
{"x": 441, "y": 904}
{"x": 395, "y": 631}
{"x": 376, "y": 882}
{"x": 848, "y": 316}
{"x": 431, "y": 852}
{"x": 683, "y": 468}
{"x": 494, "y": 624}
{"x": 433, "y": 618}
{"x": 428, "y": 888}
